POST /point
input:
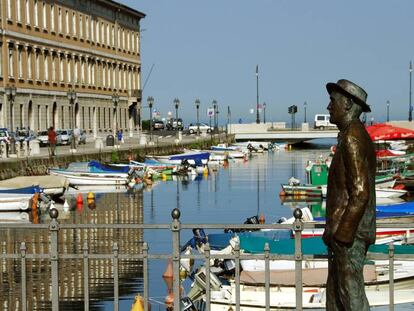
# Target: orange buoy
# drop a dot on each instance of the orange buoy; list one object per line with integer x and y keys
{"x": 90, "y": 196}
{"x": 79, "y": 198}
{"x": 168, "y": 273}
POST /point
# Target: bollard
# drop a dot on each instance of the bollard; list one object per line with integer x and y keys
{"x": 3, "y": 149}
{"x": 34, "y": 147}
{"x": 175, "y": 228}
{"x": 18, "y": 150}
{"x": 24, "y": 149}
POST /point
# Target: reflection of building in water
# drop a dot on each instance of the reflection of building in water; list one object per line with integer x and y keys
{"x": 113, "y": 208}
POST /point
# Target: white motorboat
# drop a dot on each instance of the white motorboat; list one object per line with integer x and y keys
{"x": 15, "y": 202}
{"x": 88, "y": 178}
{"x": 51, "y": 185}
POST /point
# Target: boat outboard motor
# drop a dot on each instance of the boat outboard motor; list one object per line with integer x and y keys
{"x": 186, "y": 304}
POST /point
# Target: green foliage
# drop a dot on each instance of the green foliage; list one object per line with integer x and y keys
{"x": 115, "y": 156}
{"x": 145, "y": 125}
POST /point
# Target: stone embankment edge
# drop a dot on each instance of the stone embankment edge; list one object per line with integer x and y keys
{"x": 36, "y": 165}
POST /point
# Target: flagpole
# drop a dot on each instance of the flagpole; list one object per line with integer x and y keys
{"x": 257, "y": 95}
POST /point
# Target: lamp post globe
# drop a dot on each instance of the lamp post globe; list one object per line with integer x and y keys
{"x": 197, "y": 104}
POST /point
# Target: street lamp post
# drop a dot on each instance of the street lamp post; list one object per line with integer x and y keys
{"x": 72, "y": 97}
{"x": 115, "y": 101}
{"x": 257, "y": 95}
{"x": 410, "y": 108}
{"x": 388, "y": 110}
{"x": 215, "y": 115}
{"x": 150, "y": 101}
{"x": 264, "y": 112}
{"x": 304, "y": 109}
{"x": 11, "y": 94}
{"x": 197, "y": 104}
{"x": 176, "y": 105}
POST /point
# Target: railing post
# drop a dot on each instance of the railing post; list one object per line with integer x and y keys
{"x": 391, "y": 275}
{"x": 23, "y": 278}
{"x": 267, "y": 275}
{"x": 208, "y": 295}
{"x": 237, "y": 275}
{"x": 298, "y": 227}
{"x": 86, "y": 275}
{"x": 115, "y": 251}
{"x": 145, "y": 266}
{"x": 175, "y": 228}
{"x": 54, "y": 257}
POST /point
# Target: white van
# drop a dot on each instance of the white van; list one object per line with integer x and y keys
{"x": 322, "y": 121}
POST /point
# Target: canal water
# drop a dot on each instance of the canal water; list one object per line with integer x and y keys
{"x": 227, "y": 195}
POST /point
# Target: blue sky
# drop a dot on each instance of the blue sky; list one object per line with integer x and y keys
{"x": 209, "y": 50}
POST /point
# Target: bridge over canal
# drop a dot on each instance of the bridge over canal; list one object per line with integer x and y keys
{"x": 277, "y": 132}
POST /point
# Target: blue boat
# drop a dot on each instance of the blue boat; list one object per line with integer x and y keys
{"x": 98, "y": 167}
{"x": 193, "y": 157}
{"x": 23, "y": 190}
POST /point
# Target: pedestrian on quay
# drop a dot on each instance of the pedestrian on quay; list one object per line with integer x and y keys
{"x": 119, "y": 135}
{"x": 76, "y": 133}
{"x": 51, "y": 136}
{"x": 350, "y": 202}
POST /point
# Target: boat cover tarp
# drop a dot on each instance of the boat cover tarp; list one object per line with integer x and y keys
{"x": 310, "y": 277}
{"x": 383, "y": 131}
{"x": 310, "y": 246}
{"x": 97, "y": 167}
{"x": 44, "y": 182}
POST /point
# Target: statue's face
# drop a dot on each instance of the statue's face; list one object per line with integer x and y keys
{"x": 337, "y": 108}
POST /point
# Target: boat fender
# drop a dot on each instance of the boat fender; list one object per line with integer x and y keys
{"x": 261, "y": 219}
{"x": 90, "y": 196}
{"x": 79, "y": 199}
{"x": 35, "y": 200}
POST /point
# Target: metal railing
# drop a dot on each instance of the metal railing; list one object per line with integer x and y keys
{"x": 55, "y": 257}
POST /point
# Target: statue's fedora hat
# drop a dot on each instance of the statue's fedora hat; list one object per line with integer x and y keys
{"x": 351, "y": 90}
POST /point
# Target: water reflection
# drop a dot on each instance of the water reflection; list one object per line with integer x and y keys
{"x": 110, "y": 208}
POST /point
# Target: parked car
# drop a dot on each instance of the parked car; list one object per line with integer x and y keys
{"x": 203, "y": 128}
{"x": 44, "y": 139}
{"x": 25, "y": 135}
{"x": 82, "y": 137}
{"x": 175, "y": 124}
{"x": 4, "y": 135}
{"x": 158, "y": 125}
{"x": 322, "y": 121}
{"x": 66, "y": 136}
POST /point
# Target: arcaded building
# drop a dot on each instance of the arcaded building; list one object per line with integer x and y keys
{"x": 68, "y": 63}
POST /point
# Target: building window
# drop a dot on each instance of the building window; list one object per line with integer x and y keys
{"x": 89, "y": 73}
{"x": 104, "y": 75}
{"x": 52, "y": 17}
{"x": 37, "y": 66}
{"x": 129, "y": 80}
{"x": 97, "y": 32}
{"x": 123, "y": 39}
{"x": 93, "y": 73}
{"x": 54, "y": 68}
{"x": 20, "y": 63}
{"x": 27, "y": 12}
{"x": 46, "y": 67}
{"x": 133, "y": 79}
{"x": 132, "y": 42}
{"x": 74, "y": 23}
{"x": 68, "y": 70}
{"x": 137, "y": 43}
{"x": 29, "y": 64}
{"x": 61, "y": 76}
{"x": 36, "y": 14}
{"x": 119, "y": 38}
{"x": 125, "y": 84}
{"x": 18, "y": 10}
{"x": 102, "y": 32}
{"x": 113, "y": 36}
{"x": 9, "y": 9}
{"x": 87, "y": 27}
{"x": 119, "y": 86}
{"x": 11, "y": 62}
{"x": 92, "y": 30}
{"x": 83, "y": 71}
{"x": 108, "y": 41}
{"x": 67, "y": 21}
{"x": 81, "y": 26}
{"x": 44, "y": 16}
{"x": 75, "y": 71}
{"x": 109, "y": 77}
{"x": 1, "y": 61}
{"x": 60, "y": 20}
{"x": 128, "y": 41}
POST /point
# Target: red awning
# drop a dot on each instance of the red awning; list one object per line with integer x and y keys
{"x": 382, "y": 131}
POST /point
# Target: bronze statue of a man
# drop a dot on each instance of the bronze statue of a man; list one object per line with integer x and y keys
{"x": 350, "y": 202}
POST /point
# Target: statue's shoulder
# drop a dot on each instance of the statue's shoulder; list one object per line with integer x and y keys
{"x": 356, "y": 132}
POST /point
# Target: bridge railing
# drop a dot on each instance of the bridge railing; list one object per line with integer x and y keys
{"x": 55, "y": 257}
